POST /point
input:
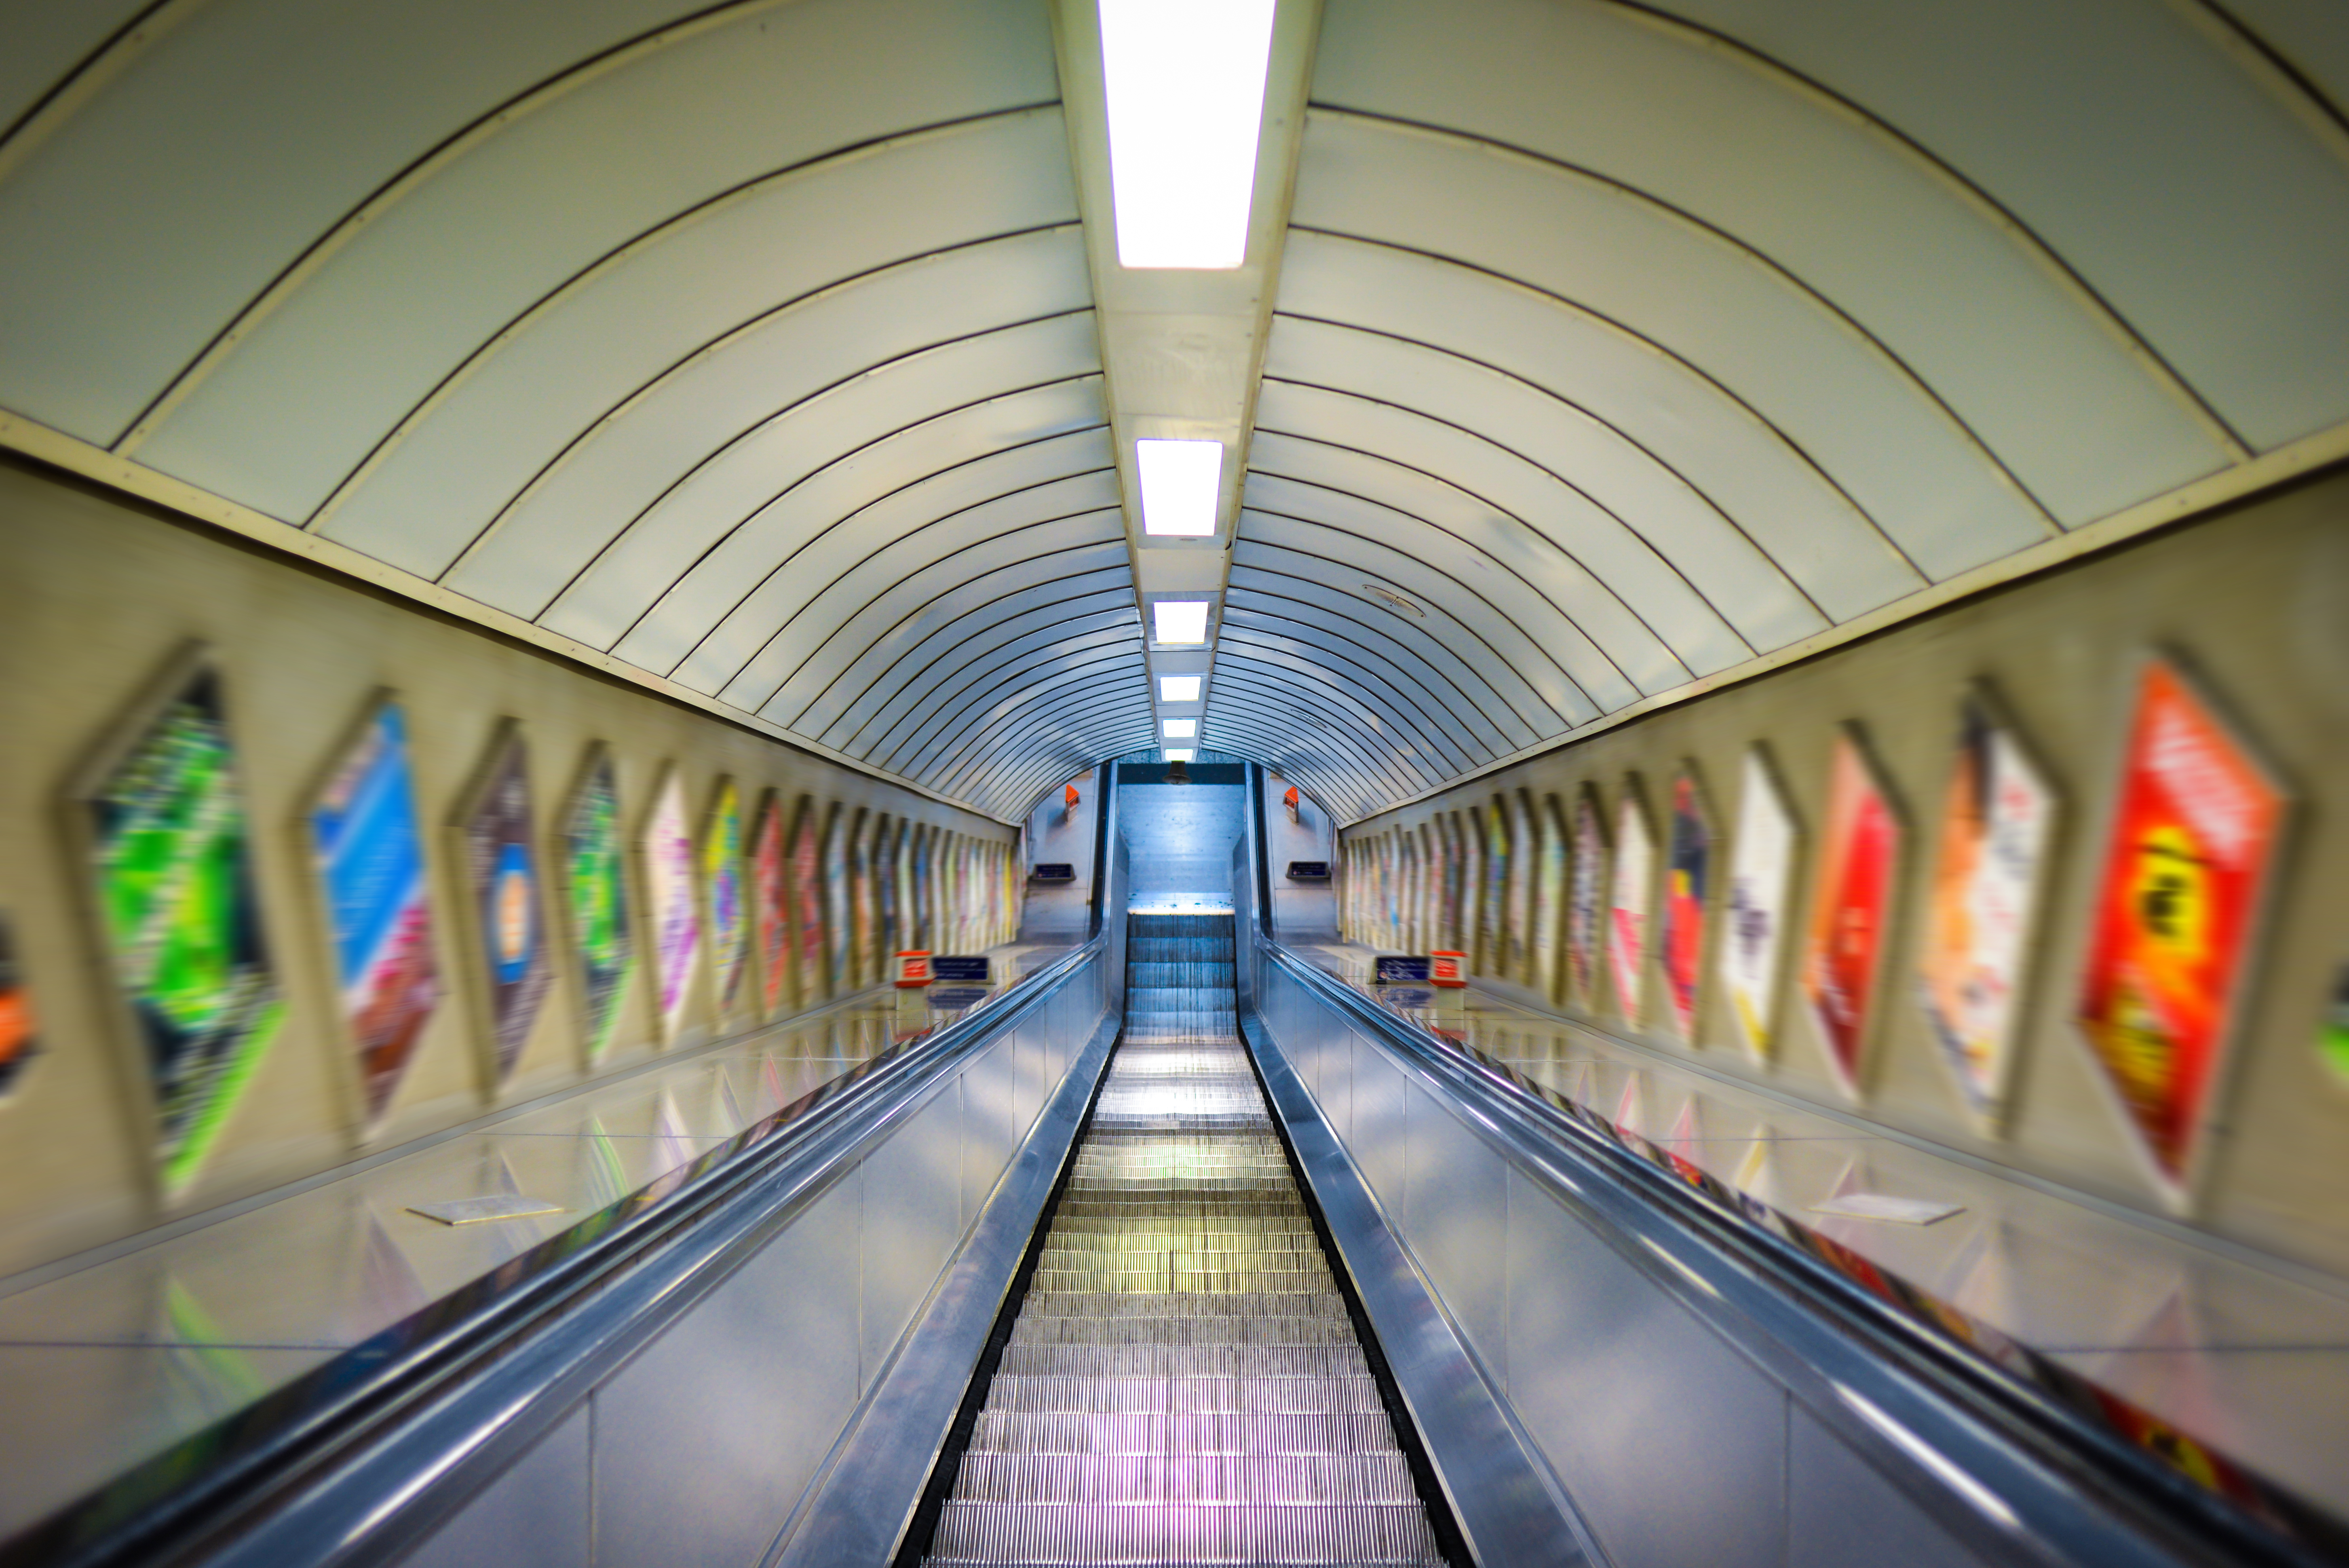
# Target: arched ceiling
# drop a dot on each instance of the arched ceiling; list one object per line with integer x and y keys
{"x": 1588, "y": 354}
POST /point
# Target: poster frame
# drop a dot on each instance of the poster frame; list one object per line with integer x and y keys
{"x": 1686, "y": 1025}
{"x": 505, "y": 737}
{"x": 2180, "y": 1192}
{"x": 1587, "y": 891}
{"x": 1631, "y": 811}
{"x": 770, "y": 914}
{"x": 597, "y": 1036}
{"x": 1850, "y": 1077}
{"x": 169, "y": 1178}
{"x": 727, "y": 993}
{"x": 1759, "y": 763}
{"x": 669, "y": 1019}
{"x": 1991, "y": 1112}
{"x": 369, "y": 1117}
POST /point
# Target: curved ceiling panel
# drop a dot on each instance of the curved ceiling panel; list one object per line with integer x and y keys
{"x": 763, "y": 352}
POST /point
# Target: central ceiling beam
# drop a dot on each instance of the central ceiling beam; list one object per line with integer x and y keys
{"x": 1183, "y": 349}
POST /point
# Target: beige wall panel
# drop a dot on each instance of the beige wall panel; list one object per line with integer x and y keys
{"x": 95, "y": 595}
{"x": 2257, "y": 600}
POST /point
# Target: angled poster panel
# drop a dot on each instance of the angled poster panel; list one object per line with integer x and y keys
{"x": 728, "y": 916}
{"x": 19, "y": 1039}
{"x": 170, "y": 850}
{"x": 770, "y": 914}
{"x": 367, "y": 845}
{"x": 1585, "y": 920}
{"x": 597, "y": 908}
{"x": 1851, "y": 912}
{"x": 1525, "y": 872}
{"x": 496, "y": 847}
{"x": 2196, "y": 821}
{"x": 1688, "y": 884}
{"x": 1550, "y": 905}
{"x": 839, "y": 924}
{"x": 672, "y": 903}
{"x": 1761, "y": 904}
{"x": 1998, "y": 819}
{"x": 1629, "y": 903}
{"x": 804, "y": 864}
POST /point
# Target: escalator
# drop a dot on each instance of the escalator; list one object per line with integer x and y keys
{"x": 1182, "y": 1381}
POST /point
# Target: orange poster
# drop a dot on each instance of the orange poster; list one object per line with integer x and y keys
{"x": 2194, "y": 828}
{"x": 1852, "y": 912}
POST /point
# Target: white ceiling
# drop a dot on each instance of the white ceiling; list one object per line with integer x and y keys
{"x": 1609, "y": 351}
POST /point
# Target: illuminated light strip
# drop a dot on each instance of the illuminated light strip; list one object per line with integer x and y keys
{"x": 1185, "y": 89}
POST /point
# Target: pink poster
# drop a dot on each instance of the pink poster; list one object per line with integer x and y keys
{"x": 1852, "y": 912}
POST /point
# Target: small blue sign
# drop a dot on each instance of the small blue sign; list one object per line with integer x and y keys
{"x": 1392, "y": 969}
{"x": 963, "y": 969}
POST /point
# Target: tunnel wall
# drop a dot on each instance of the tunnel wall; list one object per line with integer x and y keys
{"x": 100, "y": 598}
{"x": 2254, "y": 604}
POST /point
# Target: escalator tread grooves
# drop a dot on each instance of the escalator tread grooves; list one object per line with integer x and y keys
{"x": 1178, "y": 1375}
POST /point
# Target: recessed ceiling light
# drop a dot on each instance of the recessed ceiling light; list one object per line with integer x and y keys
{"x": 1181, "y": 620}
{"x": 1185, "y": 86}
{"x": 1179, "y": 484}
{"x": 1180, "y": 753}
{"x": 1179, "y": 688}
{"x": 1180, "y": 728}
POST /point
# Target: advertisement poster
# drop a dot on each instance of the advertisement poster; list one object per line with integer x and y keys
{"x": 1493, "y": 907}
{"x": 1473, "y": 924}
{"x": 18, "y": 1040}
{"x": 1761, "y": 887}
{"x": 2331, "y": 1043}
{"x": 1525, "y": 874}
{"x": 924, "y": 896}
{"x": 1688, "y": 881}
{"x": 892, "y": 894}
{"x": 501, "y": 876}
{"x": 1586, "y": 916}
{"x": 1550, "y": 905}
{"x": 1996, "y": 820}
{"x": 839, "y": 927}
{"x": 595, "y": 901}
{"x": 675, "y": 910}
{"x": 863, "y": 966}
{"x": 770, "y": 908}
{"x": 1628, "y": 903}
{"x": 369, "y": 852}
{"x": 2194, "y": 828}
{"x": 805, "y": 869}
{"x": 172, "y": 854}
{"x": 730, "y": 902}
{"x": 1851, "y": 910}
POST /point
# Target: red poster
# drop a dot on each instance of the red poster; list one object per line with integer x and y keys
{"x": 1860, "y": 849}
{"x": 2193, "y": 831}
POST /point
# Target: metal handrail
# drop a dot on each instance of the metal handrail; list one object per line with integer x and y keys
{"x": 1983, "y": 1445}
{"x": 358, "y": 1461}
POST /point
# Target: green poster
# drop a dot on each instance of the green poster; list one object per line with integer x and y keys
{"x": 2335, "y": 1042}
{"x": 596, "y": 900}
{"x": 173, "y": 856}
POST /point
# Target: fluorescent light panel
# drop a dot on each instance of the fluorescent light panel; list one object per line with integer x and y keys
{"x": 1180, "y": 753}
{"x": 1180, "y": 728}
{"x": 1180, "y": 480}
{"x": 1180, "y": 688}
{"x": 1185, "y": 86}
{"x": 1180, "y": 620}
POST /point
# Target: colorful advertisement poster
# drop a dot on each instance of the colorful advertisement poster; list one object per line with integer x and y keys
{"x": 18, "y": 1039}
{"x": 730, "y": 901}
{"x": 1492, "y": 902}
{"x": 838, "y": 925}
{"x": 1586, "y": 918}
{"x": 674, "y": 908}
{"x": 1524, "y": 871}
{"x": 892, "y": 900}
{"x": 1761, "y": 887}
{"x": 2194, "y": 828}
{"x": 172, "y": 854}
{"x": 369, "y": 852}
{"x": 865, "y": 965}
{"x": 1852, "y": 911}
{"x": 1688, "y": 881}
{"x": 1550, "y": 905}
{"x": 1628, "y": 903}
{"x": 595, "y": 901}
{"x": 806, "y": 871}
{"x": 502, "y": 878}
{"x": 1996, "y": 820}
{"x": 2332, "y": 1041}
{"x": 770, "y": 914}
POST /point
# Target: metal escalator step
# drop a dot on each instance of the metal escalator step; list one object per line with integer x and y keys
{"x": 1179, "y": 1435}
{"x": 1206, "y": 1477}
{"x": 1183, "y": 1384}
{"x": 1357, "y": 1533}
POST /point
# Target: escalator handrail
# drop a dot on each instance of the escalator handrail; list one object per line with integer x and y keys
{"x": 359, "y": 1460}
{"x": 2019, "y": 1460}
